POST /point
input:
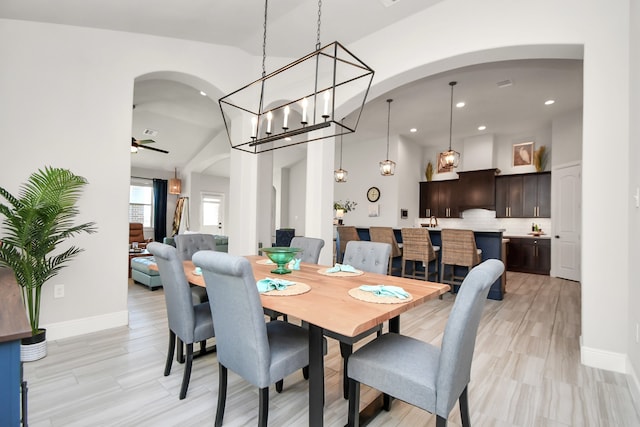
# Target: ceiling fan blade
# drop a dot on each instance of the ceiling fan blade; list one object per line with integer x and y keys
{"x": 151, "y": 148}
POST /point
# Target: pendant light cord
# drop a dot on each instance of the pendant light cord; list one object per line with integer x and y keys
{"x": 389, "y": 101}
{"x": 319, "y": 15}
{"x": 341, "y": 134}
{"x": 452, "y": 84}
{"x": 264, "y": 40}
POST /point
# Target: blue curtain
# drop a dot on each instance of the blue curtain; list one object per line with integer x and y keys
{"x": 160, "y": 209}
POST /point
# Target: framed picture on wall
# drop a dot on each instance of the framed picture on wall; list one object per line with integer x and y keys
{"x": 522, "y": 154}
{"x": 442, "y": 164}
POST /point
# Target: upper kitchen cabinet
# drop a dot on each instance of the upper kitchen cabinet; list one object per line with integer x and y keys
{"x": 476, "y": 189}
{"x": 523, "y": 196}
{"x": 537, "y": 195}
{"x": 439, "y": 199}
{"x": 509, "y": 202}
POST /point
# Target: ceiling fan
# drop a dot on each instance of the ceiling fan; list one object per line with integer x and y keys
{"x": 139, "y": 143}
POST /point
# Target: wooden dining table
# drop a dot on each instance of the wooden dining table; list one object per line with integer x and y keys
{"x": 329, "y": 306}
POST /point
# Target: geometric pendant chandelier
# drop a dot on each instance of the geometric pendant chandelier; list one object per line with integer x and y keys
{"x": 296, "y": 103}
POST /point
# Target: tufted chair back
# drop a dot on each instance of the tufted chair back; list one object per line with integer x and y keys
{"x": 368, "y": 256}
{"x": 310, "y": 248}
{"x": 189, "y": 244}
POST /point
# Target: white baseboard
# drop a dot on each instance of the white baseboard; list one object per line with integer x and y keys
{"x": 602, "y": 359}
{"x": 72, "y": 328}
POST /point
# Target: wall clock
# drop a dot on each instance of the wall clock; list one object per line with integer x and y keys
{"x": 373, "y": 194}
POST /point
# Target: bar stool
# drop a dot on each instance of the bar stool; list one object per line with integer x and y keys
{"x": 417, "y": 248}
{"x": 346, "y": 233}
{"x": 458, "y": 249}
{"x": 385, "y": 235}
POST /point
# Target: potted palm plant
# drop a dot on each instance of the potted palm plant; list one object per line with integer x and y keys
{"x": 35, "y": 224}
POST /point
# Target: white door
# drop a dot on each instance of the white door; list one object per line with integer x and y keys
{"x": 212, "y": 206}
{"x": 567, "y": 209}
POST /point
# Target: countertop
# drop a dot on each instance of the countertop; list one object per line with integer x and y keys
{"x": 13, "y": 320}
{"x": 527, "y": 236}
{"x": 475, "y": 230}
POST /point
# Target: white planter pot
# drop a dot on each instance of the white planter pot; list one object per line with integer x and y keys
{"x": 34, "y": 348}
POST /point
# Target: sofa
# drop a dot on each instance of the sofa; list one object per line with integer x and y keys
{"x": 189, "y": 244}
{"x": 142, "y": 273}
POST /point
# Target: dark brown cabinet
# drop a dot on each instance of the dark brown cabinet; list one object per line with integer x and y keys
{"x": 448, "y": 199}
{"x": 509, "y": 196}
{"x": 529, "y": 255}
{"x": 476, "y": 189}
{"x": 439, "y": 199}
{"x": 537, "y": 195}
{"x": 523, "y": 196}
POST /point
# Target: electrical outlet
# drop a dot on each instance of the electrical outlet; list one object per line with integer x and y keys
{"x": 58, "y": 291}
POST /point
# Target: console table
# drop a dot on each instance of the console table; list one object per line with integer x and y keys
{"x": 13, "y": 327}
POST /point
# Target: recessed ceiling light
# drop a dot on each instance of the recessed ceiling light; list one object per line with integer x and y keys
{"x": 413, "y": 130}
{"x": 482, "y": 127}
{"x": 203, "y": 93}
{"x": 460, "y": 104}
{"x": 549, "y": 101}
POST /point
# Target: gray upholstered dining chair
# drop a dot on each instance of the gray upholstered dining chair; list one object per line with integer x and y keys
{"x": 189, "y": 244}
{"x": 310, "y": 246}
{"x": 366, "y": 256}
{"x": 190, "y": 322}
{"x": 262, "y": 353}
{"x": 419, "y": 373}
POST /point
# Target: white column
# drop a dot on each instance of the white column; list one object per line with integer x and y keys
{"x": 319, "y": 197}
{"x": 250, "y": 187}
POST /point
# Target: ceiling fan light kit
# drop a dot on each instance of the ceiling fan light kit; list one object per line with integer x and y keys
{"x": 450, "y": 158}
{"x": 311, "y": 87}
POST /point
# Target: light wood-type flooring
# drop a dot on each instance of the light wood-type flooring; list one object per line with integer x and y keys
{"x": 526, "y": 372}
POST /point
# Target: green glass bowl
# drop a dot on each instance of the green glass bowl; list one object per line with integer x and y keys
{"x": 281, "y": 255}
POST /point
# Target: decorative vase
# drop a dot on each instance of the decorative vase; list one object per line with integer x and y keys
{"x": 429, "y": 172}
{"x": 34, "y": 347}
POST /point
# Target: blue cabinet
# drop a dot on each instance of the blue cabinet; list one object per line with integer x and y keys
{"x": 13, "y": 327}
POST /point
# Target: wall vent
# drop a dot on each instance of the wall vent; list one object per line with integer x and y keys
{"x": 505, "y": 83}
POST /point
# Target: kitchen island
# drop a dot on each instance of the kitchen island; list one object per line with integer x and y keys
{"x": 490, "y": 241}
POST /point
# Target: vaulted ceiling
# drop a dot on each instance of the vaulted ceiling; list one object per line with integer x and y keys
{"x": 186, "y": 121}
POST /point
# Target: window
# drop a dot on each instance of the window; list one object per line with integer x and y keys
{"x": 211, "y": 210}
{"x": 141, "y": 204}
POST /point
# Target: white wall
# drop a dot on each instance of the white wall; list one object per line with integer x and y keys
{"x": 69, "y": 90}
{"x": 297, "y": 194}
{"x": 566, "y": 133}
{"x": 634, "y": 210}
